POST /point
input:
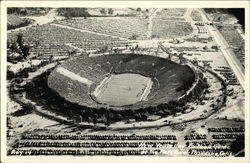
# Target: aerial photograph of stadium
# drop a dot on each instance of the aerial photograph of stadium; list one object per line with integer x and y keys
{"x": 125, "y": 81}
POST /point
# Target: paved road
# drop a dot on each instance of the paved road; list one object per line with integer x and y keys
{"x": 228, "y": 53}
{"x": 48, "y": 18}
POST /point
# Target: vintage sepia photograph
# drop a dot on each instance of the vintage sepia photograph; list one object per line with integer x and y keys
{"x": 125, "y": 81}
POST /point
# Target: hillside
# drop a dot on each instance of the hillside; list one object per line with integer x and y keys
{"x": 14, "y": 22}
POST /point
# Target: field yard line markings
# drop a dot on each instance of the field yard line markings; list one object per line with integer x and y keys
{"x": 73, "y": 76}
{"x": 84, "y": 30}
{"x": 100, "y": 88}
{"x": 146, "y": 90}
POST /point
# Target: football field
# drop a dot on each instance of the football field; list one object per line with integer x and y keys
{"x": 123, "y": 89}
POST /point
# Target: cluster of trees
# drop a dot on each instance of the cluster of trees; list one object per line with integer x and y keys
{"x": 104, "y": 12}
{"x": 17, "y": 47}
{"x": 110, "y": 11}
{"x": 139, "y": 10}
{"x": 23, "y": 73}
{"x": 25, "y": 11}
{"x": 73, "y": 12}
{"x": 16, "y": 10}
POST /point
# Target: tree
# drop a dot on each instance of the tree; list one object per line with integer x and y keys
{"x": 103, "y": 11}
{"x": 12, "y": 10}
{"x": 51, "y": 58}
{"x": 110, "y": 11}
{"x": 20, "y": 39}
{"x": 134, "y": 37}
{"x": 215, "y": 47}
{"x": 138, "y": 9}
{"x": 195, "y": 61}
{"x": 205, "y": 47}
{"x": 105, "y": 49}
{"x": 73, "y": 12}
{"x": 8, "y": 44}
{"x": 136, "y": 47}
{"x": 19, "y": 47}
{"x": 219, "y": 26}
{"x": 23, "y": 12}
{"x": 67, "y": 15}
{"x": 25, "y": 50}
{"x": 37, "y": 43}
{"x": 210, "y": 38}
{"x": 107, "y": 115}
{"x": 15, "y": 48}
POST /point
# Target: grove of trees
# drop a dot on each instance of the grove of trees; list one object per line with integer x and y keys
{"x": 73, "y": 12}
{"x": 17, "y": 47}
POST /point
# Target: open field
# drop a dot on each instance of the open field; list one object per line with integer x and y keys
{"x": 196, "y": 15}
{"x": 170, "y": 29}
{"x": 171, "y": 12}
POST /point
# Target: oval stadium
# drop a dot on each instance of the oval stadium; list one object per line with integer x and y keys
{"x": 120, "y": 80}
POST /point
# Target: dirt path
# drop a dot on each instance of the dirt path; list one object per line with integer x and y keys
{"x": 150, "y": 22}
{"x": 48, "y": 18}
{"x": 187, "y": 14}
{"x": 189, "y": 19}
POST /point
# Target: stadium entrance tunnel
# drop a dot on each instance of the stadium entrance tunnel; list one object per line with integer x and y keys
{"x": 123, "y": 89}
